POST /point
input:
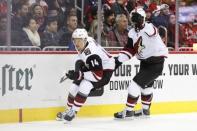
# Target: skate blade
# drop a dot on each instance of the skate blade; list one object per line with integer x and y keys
{"x": 124, "y": 119}
{"x": 59, "y": 119}
{"x": 142, "y": 117}
{"x": 66, "y": 122}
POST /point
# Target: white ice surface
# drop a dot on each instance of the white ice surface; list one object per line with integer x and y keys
{"x": 175, "y": 122}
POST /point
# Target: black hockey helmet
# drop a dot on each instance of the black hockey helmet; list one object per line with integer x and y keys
{"x": 138, "y": 18}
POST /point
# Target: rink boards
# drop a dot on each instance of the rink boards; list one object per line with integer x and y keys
{"x": 30, "y": 88}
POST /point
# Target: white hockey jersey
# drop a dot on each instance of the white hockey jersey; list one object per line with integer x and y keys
{"x": 147, "y": 42}
{"x": 92, "y": 48}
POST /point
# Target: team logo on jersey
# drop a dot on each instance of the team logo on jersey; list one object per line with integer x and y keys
{"x": 140, "y": 47}
{"x": 87, "y": 51}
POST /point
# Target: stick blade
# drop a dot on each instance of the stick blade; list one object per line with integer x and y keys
{"x": 63, "y": 79}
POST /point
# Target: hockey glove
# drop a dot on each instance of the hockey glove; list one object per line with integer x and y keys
{"x": 74, "y": 75}
{"x": 80, "y": 66}
{"x": 117, "y": 63}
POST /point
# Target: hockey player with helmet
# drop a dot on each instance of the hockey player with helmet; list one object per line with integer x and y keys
{"x": 145, "y": 43}
{"x": 93, "y": 69}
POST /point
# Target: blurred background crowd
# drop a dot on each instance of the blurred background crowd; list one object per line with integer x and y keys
{"x": 50, "y": 23}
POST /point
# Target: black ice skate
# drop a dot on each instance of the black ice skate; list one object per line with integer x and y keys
{"x": 60, "y": 115}
{"x": 143, "y": 113}
{"x": 70, "y": 115}
{"x": 124, "y": 114}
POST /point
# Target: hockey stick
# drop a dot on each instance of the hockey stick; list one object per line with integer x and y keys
{"x": 63, "y": 78}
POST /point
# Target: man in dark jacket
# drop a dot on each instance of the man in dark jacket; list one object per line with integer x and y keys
{"x": 66, "y": 32}
{"x": 50, "y": 36}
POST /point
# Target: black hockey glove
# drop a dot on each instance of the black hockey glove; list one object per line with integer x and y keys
{"x": 74, "y": 75}
{"x": 80, "y": 66}
{"x": 117, "y": 63}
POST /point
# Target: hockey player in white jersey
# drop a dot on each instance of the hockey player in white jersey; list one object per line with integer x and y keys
{"x": 145, "y": 43}
{"x": 93, "y": 69}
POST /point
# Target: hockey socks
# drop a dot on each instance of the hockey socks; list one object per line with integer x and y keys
{"x": 146, "y": 101}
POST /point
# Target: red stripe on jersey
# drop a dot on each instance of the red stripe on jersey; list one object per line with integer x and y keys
{"x": 134, "y": 50}
{"x": 129, "y": 50}
{"x": 137, "y": 45}
{"x": 153, "y": 33}
{"x": 98, "y": 74}
{"x": 108, "y": 55}
{"x": 124, "y": 52}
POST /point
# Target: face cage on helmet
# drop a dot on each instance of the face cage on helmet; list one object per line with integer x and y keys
{"x": 84, "y": 41}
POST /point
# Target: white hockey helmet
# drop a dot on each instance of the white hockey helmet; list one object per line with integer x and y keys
{"x": 80, "y": 33}
{"x": 79, "y": 37}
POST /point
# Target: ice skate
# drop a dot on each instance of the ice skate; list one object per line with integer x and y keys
{"x": 60, "y": 115}
{"x": 124, "y": 114}
{"x": 69, "y": 116}
{"x": 143, "y": 113}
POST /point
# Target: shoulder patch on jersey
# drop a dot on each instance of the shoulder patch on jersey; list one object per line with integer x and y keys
{"x": 87, "y": 51}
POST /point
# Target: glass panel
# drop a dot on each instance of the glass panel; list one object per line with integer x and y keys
{"x": 3, "y": 22}
{"x": 48, "y": 24}
{"x": 187, "y": 24}
{"x": 44, "y": 24}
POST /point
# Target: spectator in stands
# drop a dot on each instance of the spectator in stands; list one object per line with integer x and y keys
{"x": 22, "y": 10}
{"x": 109, "y": 20}
{"x": 15, "y": 4}
{"x": 3, "y": 7}
{"x": 189, "y": 34}
{"x": 63, "y": 9}
{"x": 94, "y": 23}
{"x": 119, "y": 35}
{"x": 108, "y": 24}
{"x": 50, "y": 35}
{"x": 3, "y": 22}
{"x": 171, "y": 31}
{"x": 131, "y": 5}
{"x": 41, "y": 3}
{"x": 40, "y": 17}
{"x": 29, "y": 35}
{"x": 148, "y": 15}
{"x": 119, "y": 7}
{"x": 163, "y": 18}
{"x": 15, "y": 35}
{"x": 88, "y": 18}
{"x": 66, "y": 32}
